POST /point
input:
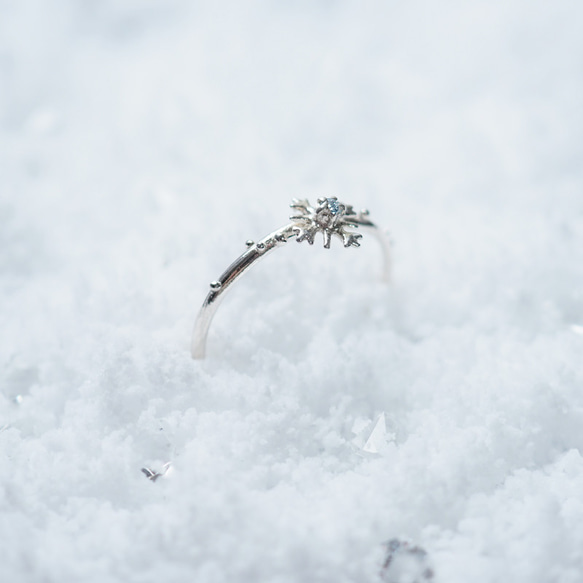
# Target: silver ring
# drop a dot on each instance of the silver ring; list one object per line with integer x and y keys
{"x": 330, "y": 217}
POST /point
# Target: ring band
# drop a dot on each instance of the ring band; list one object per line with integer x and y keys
{"x": 330, "y": 217}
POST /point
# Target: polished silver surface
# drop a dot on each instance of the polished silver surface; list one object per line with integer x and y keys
{"x": 330, "y": 217}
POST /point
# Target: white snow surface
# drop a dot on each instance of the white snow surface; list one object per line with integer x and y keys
{"x": 141, "y": 143}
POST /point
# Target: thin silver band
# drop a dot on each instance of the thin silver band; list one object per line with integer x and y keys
{"x": 296, "y": 229}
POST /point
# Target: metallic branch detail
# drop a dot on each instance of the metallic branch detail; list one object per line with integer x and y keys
{"x": 330, "y": 217}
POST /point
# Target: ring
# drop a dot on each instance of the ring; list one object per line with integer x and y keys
{"x": 330, "y": 217}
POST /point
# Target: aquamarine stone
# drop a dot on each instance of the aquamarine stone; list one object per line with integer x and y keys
{"x": 333, "y": 206}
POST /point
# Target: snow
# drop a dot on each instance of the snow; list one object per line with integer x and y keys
{"x": 141, "y": 144}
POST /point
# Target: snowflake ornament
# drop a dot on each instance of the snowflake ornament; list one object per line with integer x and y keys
{"x": 330, "y": 217}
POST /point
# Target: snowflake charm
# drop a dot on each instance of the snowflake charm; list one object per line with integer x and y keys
{"x": 330, "y": 217}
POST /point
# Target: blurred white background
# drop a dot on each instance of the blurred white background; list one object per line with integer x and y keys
{"x": 141, "y": 143}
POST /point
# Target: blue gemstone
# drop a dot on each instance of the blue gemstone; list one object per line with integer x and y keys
{"x": 333, "y": 206}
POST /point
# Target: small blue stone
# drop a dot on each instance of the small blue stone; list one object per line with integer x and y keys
{"x": 333, "y": 206}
